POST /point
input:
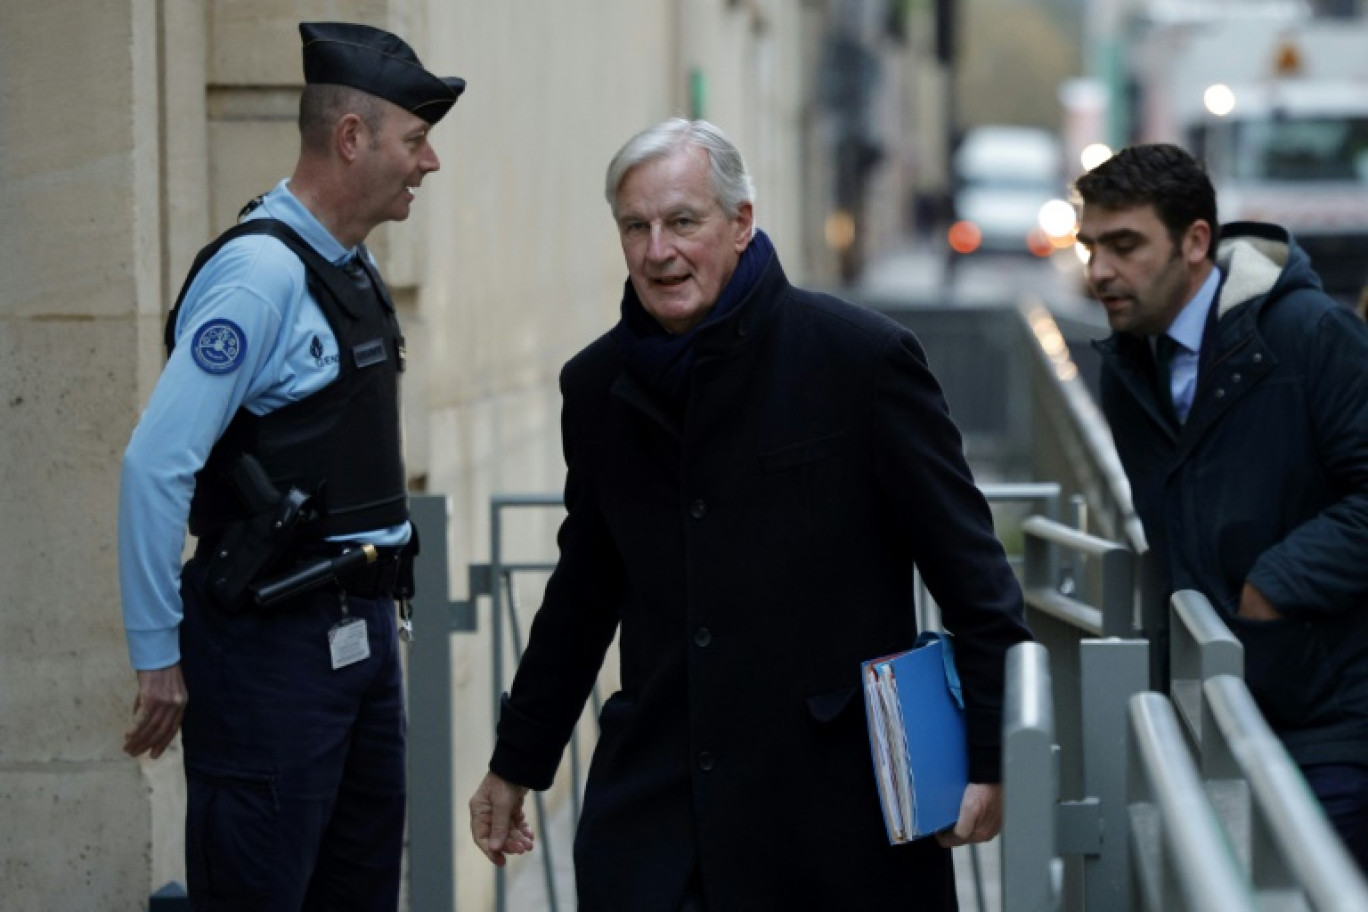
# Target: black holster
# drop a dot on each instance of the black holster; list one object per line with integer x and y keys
{"x": 258, "y": 543}
{"x": 393, "y": 576}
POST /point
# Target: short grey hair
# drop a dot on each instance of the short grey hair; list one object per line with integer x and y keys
{"x": 731, "y": 181}
{"x": 322, "y": 105}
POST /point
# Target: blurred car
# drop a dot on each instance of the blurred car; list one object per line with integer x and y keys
{"x": 1003, "y": 177}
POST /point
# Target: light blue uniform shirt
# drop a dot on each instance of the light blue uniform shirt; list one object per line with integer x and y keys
{"x": 1187, "y": 330}
{"x": 249, "y": 335}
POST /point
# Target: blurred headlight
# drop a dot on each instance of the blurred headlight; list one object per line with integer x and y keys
{"x": 1038, "y": 242}
{"x": 1219, "y": 99}
{"x": 1057, "y": 218}
{"x": 1094, "y": 155}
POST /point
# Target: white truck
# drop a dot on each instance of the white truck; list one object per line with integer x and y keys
{"x": 1276, "y": 103}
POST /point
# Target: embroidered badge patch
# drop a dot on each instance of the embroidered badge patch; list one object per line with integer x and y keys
{"x": 219, "y": 346}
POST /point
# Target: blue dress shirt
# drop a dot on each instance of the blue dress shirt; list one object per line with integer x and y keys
{"x": 1187, "y": 329}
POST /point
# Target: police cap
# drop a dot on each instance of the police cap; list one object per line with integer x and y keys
{"x": 378, "y": 63}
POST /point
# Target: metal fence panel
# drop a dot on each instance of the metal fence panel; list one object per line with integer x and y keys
{"x": 1030, "y": 782}
{"x": 1183, "y": 861}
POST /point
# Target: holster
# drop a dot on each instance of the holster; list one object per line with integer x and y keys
{"x": 258, "y": 543}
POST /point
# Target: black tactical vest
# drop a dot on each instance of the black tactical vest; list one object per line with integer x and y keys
{"x": 341, "y": 444}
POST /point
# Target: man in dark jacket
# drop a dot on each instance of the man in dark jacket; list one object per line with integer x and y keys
{"x": 753, "y": 472}
{"x": 1237, "y": 393}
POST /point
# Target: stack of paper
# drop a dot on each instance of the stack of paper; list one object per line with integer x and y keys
{"x": 916, "y": 736}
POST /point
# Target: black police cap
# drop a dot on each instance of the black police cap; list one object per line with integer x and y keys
{"x": 378, "y": 63}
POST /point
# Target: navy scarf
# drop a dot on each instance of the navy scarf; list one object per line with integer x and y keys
{"x": 661, "y": 362}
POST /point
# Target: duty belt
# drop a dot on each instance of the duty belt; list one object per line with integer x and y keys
{"x": 355, "y": 568}
{"x": 377, "y": 578}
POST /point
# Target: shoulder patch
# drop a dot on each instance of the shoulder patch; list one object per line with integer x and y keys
{"x": 219, "y": 346}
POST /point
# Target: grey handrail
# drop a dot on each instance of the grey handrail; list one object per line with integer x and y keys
{"x": 495, "y": 589}
{"x": 1042, "y": 496}
{"x": 1030, "y": 784}
{"x": 1206, "y": 647}
{"x": 1182, "y": 858}
{"x": 1115, "y": 617}
{"x": 1200, "y": 647}
{"x": 431, "y": 776}
{"x": 1291, "y": 843}
{"x": 1042, "y": 492}
{"x": 1110, "y": 490}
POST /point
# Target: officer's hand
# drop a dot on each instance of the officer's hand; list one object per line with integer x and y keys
{"x": 980, "y": 816}
{"x": 157, "y": 711}
{"x": 497, "y": 820}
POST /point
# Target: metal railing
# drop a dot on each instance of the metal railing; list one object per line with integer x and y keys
{"x": 1182, "y": 860}
{"x": 1287, "y": 848}
{"x": 1040, "y": 497}
{"x": 1079, "y": 587}
{"x": 1291, "y": 854}
{"x": 431, "y": 804}
{"x": 503, "y": 595}
{"x": 1064, "y": 847}
{"x": 1112, "y": 612}
{"x": 1200, "y": 647}
{"x": 1212, "y": 812}
{"x": 1032, "y": 872}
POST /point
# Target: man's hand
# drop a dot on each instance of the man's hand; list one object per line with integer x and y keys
{"x": 1255, "y": 607}
{"x": 980, "y": 816}
{"x": 157, "y": 711}
{"x": 497, "y": 820}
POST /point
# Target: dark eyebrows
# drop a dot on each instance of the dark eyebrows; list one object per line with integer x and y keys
{"x": 1111, "y": 238}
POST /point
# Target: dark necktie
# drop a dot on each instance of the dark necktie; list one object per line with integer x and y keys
{"x": 1164, "y": 349}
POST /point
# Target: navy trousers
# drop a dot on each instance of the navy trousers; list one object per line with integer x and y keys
{"x": 294, "y": 770}
{"x": 1343, "y": 792}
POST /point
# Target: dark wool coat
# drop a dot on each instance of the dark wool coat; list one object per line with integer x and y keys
{"x": 754, "y": 555}
{"x": 1267, "y": 481}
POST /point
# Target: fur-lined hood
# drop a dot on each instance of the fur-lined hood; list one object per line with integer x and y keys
{"x": 1255, "y": 258}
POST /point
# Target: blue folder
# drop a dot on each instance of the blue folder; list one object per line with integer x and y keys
{"x": 915, "y": 713}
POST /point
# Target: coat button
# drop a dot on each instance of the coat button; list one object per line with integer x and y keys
{"x": 705, "y": 761}
{"x": 698, "y": 509}
{"x": 1236, "y": 378}
{"x": 702, "y": 637}
{"x": 1219, "y": 393}
{"x": 1258, "y": 357}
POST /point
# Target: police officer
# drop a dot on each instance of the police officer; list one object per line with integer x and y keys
{"x": 274, "y": 432}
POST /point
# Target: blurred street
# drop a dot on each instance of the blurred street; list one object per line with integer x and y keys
{"x": 919, "y": 273}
